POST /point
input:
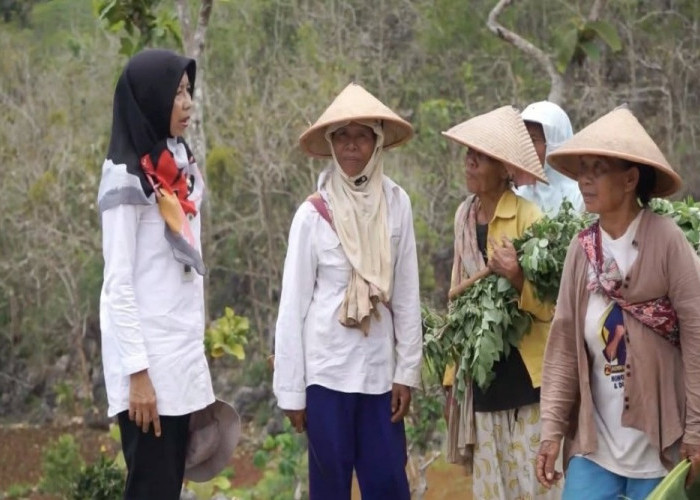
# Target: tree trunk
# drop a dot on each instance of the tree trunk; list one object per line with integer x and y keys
{"x": 195, "y": 42}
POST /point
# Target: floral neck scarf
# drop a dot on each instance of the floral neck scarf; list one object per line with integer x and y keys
{"x": 657, "y": 314}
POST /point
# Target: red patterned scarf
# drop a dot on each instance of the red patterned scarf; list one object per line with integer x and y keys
{"x": 657, "y": 314}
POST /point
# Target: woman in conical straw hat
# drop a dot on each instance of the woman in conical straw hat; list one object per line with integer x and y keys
{"x": 620, "y": 378}
{"x": 348, "y": 337}
{"x": 492, "y": 428}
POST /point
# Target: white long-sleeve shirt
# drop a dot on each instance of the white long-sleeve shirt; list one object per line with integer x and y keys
{"x": 311, "y": 346}
{"x": 151, "y": 310}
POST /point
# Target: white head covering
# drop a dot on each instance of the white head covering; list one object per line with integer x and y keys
{"x": 557, "y": 129}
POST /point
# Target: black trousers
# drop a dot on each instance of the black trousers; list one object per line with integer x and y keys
{"x": 155, "y": 465}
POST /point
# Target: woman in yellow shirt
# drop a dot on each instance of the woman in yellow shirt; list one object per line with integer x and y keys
{"x": 497, "y": 429}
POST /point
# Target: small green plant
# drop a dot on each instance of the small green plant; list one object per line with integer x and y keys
{"x": 227, "y": 335}
{"x": 65, "y": 397}
{"x": 102, "y": 480}
{"x": 284, "y": 460}
{"x": 219, "y": 484}
{"x": 17, "y": 491}
{"x": 61, "y": 466}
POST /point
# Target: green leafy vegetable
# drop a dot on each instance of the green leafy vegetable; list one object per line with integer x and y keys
{"x": 484, "y": 322}
{"x": 685, "y": 213}
{"x": 543, "y": 246}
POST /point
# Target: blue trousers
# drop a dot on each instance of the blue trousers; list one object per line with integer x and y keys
{"x": 586, "y": 480}
{"x": 349, "y": 431}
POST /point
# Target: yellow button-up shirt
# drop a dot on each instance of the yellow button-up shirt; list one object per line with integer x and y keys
{"x": 512, "y": 217}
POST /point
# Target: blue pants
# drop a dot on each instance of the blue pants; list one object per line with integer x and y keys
{"x": 586, "y": 480}
{"x": 351, "y": 430}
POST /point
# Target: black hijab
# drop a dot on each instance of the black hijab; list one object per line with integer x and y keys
{"x": 143, "y": 103}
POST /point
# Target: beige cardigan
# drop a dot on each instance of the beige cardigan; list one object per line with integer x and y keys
{"x": 662, "y": 382}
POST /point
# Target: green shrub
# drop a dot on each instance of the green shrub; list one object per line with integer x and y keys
{"x": 61, "y": 466}
{"x": 17, "y": 491}
{"x": 102, "y": 480}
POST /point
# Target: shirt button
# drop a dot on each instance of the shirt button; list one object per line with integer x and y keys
{"x": 627, "y": 407}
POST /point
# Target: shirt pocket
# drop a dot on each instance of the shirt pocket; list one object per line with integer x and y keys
{"x": 331, "y": 253}
{"x": 334, "y": 269}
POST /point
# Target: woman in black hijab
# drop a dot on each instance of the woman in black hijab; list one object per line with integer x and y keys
{"x": 152, "y": 306}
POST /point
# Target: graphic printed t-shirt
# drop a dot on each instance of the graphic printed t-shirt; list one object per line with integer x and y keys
{"x": 621, "y": 450}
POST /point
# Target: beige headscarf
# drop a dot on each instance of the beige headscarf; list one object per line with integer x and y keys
{"x": 360, "y": 220}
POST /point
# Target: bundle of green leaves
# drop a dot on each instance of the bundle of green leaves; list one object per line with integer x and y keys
{"x": 685, "y": 213}
{"x": 542, "y": 249}
{"x": 484, "y": 323}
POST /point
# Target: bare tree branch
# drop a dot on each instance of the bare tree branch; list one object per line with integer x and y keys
{"x": 556, "y": 92}
{"x": 597, "y": 8}
{"x": 194, "y": 48}
{"x": 183, "y": 14}
{"x": 199, "y": 38}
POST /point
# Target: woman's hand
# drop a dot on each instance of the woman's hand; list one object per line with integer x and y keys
{"x": 400, "y": 401}
{"x": 297, "y": 418}
{"x": 546, "y": 458}
{"x": 142, "y": 402}
{"x": 504, "y": 262}
{"x": 692, "y": 453}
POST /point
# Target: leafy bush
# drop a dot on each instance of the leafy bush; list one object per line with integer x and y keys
{"x": 685, "y": 213}
{"x": 17, "y": 491}
{"x": 227, "y": 335}
{"x": 61, "y": 466}
{"x": 284, "y": 460}
{"x": 100, "y": 481}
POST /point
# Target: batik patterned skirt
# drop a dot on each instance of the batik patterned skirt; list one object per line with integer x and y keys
{"x": 505, "y": 453}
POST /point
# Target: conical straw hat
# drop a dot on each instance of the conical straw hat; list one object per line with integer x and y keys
{"x": 352, "y": 104}
{"x": 500, "y": 134}
{"x": 618, "y": 135}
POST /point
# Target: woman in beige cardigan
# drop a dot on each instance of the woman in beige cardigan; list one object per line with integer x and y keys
{"x": 621, "y": 374}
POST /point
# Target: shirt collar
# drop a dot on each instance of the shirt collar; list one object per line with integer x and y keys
{"x": 507, "y": 206}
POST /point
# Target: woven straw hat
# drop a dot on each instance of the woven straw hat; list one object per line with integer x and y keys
{"x": 500, "y": 134}
{"x": 618, "y": 135}
{"x": 352, "y": 104}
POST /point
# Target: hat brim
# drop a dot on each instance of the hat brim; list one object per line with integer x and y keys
{"x": 229, "y": 424}
{"x": 314, "y": 142}
{"x": 567, "y": 162}
{"x": 495, "y": 156}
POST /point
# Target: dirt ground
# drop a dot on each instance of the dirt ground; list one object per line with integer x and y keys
{"x": 22, "y": 446}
